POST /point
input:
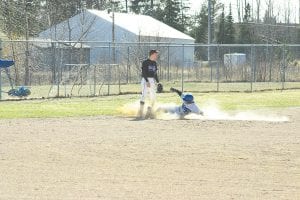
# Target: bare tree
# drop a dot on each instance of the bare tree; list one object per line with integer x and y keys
{"x": 242, "y": 8}
{"x": 287, "y": 14}
{"x": 9, "y": 29}
{"x": 238, "y": 5}
{"x": 258, "y": 4}
{"x": 26, "y": 78}
{"x": 270, "y": 8}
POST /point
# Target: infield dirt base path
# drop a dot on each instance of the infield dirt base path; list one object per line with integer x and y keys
{"x": 118, "y": 158}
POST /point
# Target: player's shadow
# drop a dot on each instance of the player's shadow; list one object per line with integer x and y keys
{"x": 137, "y": 119}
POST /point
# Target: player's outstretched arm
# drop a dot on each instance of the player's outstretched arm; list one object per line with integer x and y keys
{"x": 175, "y": 90}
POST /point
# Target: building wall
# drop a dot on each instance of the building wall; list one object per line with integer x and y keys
{"x": 96, "y": 33}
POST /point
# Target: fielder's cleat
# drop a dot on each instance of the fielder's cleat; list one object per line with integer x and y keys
{"x": 149, "y": 114}
{"x": 139, "y": 118}
{"x": 140, "y": 112}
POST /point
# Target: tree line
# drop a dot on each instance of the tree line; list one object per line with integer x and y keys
{"x": 19, "y": 18}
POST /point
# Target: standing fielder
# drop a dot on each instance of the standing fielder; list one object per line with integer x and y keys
{"x": 149, "y": 80}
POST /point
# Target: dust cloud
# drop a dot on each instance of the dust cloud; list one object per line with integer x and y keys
{"x": 211, "y": 112}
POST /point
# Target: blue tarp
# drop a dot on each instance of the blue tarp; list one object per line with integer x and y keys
{"x": 6, "y": 63}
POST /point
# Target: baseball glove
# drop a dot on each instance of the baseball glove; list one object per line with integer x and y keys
{"x": 173, "y": 89}
{"x": 159, "y": 88}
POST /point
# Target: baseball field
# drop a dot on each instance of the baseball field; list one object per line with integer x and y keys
{"x": 246, "y": 146}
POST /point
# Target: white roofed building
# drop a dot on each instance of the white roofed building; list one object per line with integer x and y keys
{"x": 132, "y": 36}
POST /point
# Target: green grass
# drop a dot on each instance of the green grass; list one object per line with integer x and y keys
{"x": 246, "y": 101}
{"x": 258, "y": 100}
{"x": 109, "y": 105}
{"x": 61, "y": 107}
{"x": 88, "y": 90}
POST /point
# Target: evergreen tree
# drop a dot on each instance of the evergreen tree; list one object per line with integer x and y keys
{"x": 199, "y": 27}
{"x": 245, "y": 36}
{"x": 268, "y": 19}
{"x": 199, "y": 30}
{"x": 60, "y": 10}
{"x": 229, "y": 28}
{"x": 270, "y": 35}
{"x": 96, "y": 4}
{"x": 225, "y": 32}
{"x": 185, "y": 17}
{"x": 137, "y": 6}
{"x": 220, "y": 33}
{"x": 21, "y": 17}
{"x": 158, "y": 13}
{"x": 172, "y": 14}
{"x": 146, "y": 7}
{"x": 152, "y": 8}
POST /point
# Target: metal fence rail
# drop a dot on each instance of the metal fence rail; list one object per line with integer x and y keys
{"x": 72, "y": 68}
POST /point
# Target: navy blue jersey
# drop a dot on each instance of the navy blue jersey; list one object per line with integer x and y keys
{"x": 149, "y": 70}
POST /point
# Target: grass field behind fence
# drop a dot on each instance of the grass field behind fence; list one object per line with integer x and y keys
{"x": 110, "y": 105}
{"x": 46, "y": 91}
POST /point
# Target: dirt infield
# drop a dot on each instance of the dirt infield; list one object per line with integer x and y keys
{"x": 119, "y": 158}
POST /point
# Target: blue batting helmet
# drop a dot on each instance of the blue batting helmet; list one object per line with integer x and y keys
{"x": 188, "y": 98}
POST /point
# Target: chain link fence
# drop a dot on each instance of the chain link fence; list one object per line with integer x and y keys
{"x": 68, "y": 68}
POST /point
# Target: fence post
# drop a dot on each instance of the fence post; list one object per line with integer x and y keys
{"x": 270, "y": 53}
{"x": 0, "y": 70}
{"x": 210, "y": 65}
{"x": 108, "y": 73}
{"x": 252, "y": 68}
{"x": 95, "y": 80}
{"x": 168, "y": 62}
{"x": 119, "y": 77}
{"x": 254, "y": 64}
{"x": 182, "y": 68}
{"x": 128, "y": 66}
{"x": 283, "y": 68}
{"x": 218, "y": 68}
{"x": 0, "y": 85}
{"x": 57, "y": 68}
